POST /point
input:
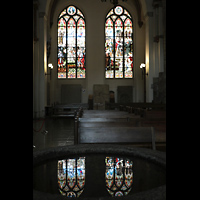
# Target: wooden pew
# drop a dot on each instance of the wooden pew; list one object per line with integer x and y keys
{"x": 110, "y": 123}
{"x": 117, "y": 135}
{"x": 131, "y": 107}
{"x": 68, "y": 110}
{"x": 154, "y": 114}
{"x": 89, "y": 118}
{"x": 122, "y": 107}
{"x": 107, "y": 114}
{"x": 122, "y": 119}
{"x": 111, "y": 127}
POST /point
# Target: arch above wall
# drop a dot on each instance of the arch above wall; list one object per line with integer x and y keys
{"x": 139, "y": 4}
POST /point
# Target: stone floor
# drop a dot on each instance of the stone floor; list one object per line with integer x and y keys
{"x": 60, "y": 132}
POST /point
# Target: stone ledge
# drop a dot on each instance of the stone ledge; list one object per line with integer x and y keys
{"x": 156, "y": 157}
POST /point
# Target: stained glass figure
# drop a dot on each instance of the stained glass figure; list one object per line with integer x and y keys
{"x": 71, "y": 176}
{"x": 118, "y": 44}
{"x": 118, "y": 176}
{"x": 71, "y": 36}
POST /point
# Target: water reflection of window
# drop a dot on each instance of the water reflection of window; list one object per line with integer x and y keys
{"x": 118, "y": 175}
{"x": 71, "y": 176}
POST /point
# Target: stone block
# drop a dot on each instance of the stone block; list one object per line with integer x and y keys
{"x": 100, "y": 96}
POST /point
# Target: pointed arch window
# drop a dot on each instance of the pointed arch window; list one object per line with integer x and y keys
{"x": 118, "y": 176}
{"x": 71, "y": 176}
{"x": 118, "y": 44}
{"x": 71, "y": 51}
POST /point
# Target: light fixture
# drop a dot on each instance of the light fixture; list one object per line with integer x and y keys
{"x": 142, "y": 65}
{"x": 50, "y": 65}
{"x": 143, "y": 68}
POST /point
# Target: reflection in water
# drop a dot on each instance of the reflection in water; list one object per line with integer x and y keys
{"x": 105, "y": 175}
{"x": 71, "y": 176}
{"x": 118, "y": 175}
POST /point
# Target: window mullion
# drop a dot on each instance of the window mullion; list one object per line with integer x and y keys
{"x": 123, "y": 51}
{"x": 114, "y": 49}
{"x": 66, "y": 42}
{"x": 76, "y": 46}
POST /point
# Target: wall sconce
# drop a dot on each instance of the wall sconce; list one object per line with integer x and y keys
{"x": 51, "y": 67}
{"x": 142, "y": 65}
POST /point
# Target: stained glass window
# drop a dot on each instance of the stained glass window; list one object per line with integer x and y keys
{"x": 118, "y": 44}
{"x": 71, "y": 44}
{"x": 118, "y": 176}
{"x": 71, "y": 176}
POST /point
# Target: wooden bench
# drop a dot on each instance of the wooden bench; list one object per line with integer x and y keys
{"x": 154, "y": 114}
{"x": 127, "y": 106}
{"x": 69, "y": 110}
{"x": 95, "y": 119}
{"x": 108, "y": 114}
{"x": 108, "y": 123}
{"x": 117, "y": 135}
{"x": 131, "y": 107}
{"x": 103, "y": 113}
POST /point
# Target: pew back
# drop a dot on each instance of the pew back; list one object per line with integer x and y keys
{"x": 117, "y": 135}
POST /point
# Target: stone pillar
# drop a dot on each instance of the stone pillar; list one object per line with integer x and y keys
{"x": 158, "y": 37}
{"x": 150, "y": 67}
{"x": 159, "y": 81}
{"x": 35, "y": 59}
{"x": 40, "y": 67}
{"x": 35, "y": 80}
{"x": 161, "y": 40}
{"x": 42, "y": 63}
